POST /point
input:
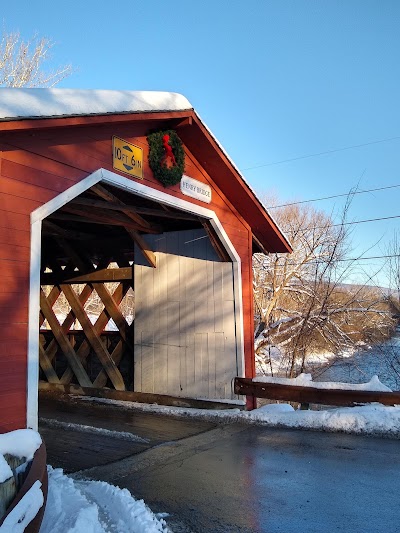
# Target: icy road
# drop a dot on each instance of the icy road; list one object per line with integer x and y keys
{"x": 257, "y": 479}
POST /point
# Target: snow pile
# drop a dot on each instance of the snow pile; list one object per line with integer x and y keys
{"x": 370, "y": 419}
{"x": 25, "y": 511}
{"x": 21, "y": 443}
{"x": 373, "y": 419}
{"x": 305, "y": 380}
{"x": 81, "y": 506}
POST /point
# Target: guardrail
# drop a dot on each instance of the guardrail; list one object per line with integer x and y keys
{"x": 307, "y": 395}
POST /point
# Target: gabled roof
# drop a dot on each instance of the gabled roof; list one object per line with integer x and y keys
{"x": 43, "y": 104}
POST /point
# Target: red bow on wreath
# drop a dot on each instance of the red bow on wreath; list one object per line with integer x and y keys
{"x": 169, "y": 154}
{"x": 166, "y": 156}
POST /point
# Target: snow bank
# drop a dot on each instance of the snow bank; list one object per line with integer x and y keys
{"x": 371, "y": 419}
{"x": 82, "y": 506}
{"x": 123, "y": 435}
{"x": 305, "y": 380}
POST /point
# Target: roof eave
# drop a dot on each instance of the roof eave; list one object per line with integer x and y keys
{"x": 220, "y": 168}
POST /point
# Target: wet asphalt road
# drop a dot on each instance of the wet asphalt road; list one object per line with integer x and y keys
{"x": 255, "y": 479}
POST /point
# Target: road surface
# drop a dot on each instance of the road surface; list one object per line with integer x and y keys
{"x": 250, "y": 479}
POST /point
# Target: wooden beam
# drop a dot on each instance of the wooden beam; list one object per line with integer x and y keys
{"x": 294, "y": 393}
{"x": 216, "y": 244}
{"x": 75, "y": 257}
{"x": 130, "y": 396}
{"x": 114, "y": 312}
{"x": 149, "y": 254}
{"x": 83, "y": 219}
{"x": 94, "y": 339}
{"x": 92, "y": 333}
{"x": 259, "y": 245}
{"x": 101, "y": 379}
{"x": 110, "y": 197}
{"x": 51, "y": 350}
{"x": 63, "y": 341}
{"x": 184, "y": 123}
{"x": 51, "y": 298}
{"x": 53, "y": 229}
{"x": 46, "y": 366}
{"x": 103, "y": 275}
{"x": 116, "y": 219}
{"x": 84, "y": 349}
{"x": 89, "y": 202}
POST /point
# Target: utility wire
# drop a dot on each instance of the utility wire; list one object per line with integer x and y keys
{"x": 347, "y": 223}
{"x": 322, "y": 153}
{"x": 370, "y": 257}
{"x": 321, "y": 261}
{"x": 350, "y": 193}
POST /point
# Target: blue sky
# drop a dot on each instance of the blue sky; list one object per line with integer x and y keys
{"x": 273, "y": 80}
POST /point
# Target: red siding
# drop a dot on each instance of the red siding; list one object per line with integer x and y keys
{"x": 33, "y": 170}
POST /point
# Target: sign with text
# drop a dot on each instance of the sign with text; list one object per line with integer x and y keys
{"x": 196, "y": 189}
{"x": 127, "y": 158}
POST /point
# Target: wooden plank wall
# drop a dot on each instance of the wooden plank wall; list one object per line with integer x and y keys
{"x": 34, "y": 168}
{"x": 185, "y": 336}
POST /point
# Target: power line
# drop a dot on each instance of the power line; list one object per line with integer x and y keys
{"x": 321, "y": 261}
{"x": 351, "y": 193}
{"x": 366, "y": 220}
{"x": 371, "y": 257}
{"x": 322, "y": 153}
{"x": 348, "y": 223}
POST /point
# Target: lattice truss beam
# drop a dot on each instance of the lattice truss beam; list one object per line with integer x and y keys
{"x": 88, "y": 356}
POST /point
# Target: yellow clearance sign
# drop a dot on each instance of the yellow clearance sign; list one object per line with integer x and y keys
{"x": 127, "y": 158}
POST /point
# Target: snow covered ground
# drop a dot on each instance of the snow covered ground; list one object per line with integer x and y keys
{"x": 73, "y": 506}
{"x": 81, "y": 506}
{"x": 305, "y": 380}
{"x": 273, "y": 361}
{"x": 370, "y": 419}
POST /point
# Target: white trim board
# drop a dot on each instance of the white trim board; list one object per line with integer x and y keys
{"x": 139, "y": 189}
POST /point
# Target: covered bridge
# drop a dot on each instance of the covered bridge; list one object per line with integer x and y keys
{"x": 125, "y": 199}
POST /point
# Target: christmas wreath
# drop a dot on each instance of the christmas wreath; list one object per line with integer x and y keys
{"x": 166, "y": 156}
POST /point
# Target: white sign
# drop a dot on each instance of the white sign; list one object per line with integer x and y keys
{"x": 196, "y": 189}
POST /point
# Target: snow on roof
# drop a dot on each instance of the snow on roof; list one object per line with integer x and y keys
{"x": 19, "y": 104}
{"x": 40, "y": 103}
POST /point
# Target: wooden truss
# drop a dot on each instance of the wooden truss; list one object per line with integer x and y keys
{"x": 89, "y": 356}
{"x": 90, "y": 242}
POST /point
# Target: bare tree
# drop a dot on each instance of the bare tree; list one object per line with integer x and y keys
{"x": 21, "y": 62}
{"x": 391, "y": 351}
{"x": 301, "y": 304}
{"x": 393, "y": 253}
